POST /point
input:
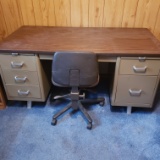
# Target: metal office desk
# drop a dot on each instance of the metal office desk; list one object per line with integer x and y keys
{"x": 136, "y": 53}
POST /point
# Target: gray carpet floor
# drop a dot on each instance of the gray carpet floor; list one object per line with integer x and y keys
{"x": 26, "y": 134}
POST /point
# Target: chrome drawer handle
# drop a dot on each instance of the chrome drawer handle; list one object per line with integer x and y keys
{"x": 15, "y": 54}
{"x": 135, "y": 92}
{"x": 16, "y": 64}
{"x": 139, "y": 69}
{"x": 20, "y": 79}
{"x": 23, "y": 93}
{"x": 142, "y": 59}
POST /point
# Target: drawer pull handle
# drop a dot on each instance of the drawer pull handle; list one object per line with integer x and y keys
{"x": 23, "y": 93}
{"x": 139, "y": 69}
{"x": 135, "y": 92}
{"x": 142, "y": 59}
{"x": 20, "y": 79}
{"x": 15, "y": 54}
{"x": 16, "y": 64}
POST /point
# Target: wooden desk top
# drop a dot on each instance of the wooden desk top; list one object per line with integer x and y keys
{"x": 108, "y": 41}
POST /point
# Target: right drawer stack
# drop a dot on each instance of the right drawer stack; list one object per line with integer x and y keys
{"x": 137, "y": 81}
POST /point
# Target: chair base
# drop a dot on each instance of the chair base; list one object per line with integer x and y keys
{"x": 81, "y": 108}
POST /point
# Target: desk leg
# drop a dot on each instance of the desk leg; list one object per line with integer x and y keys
{"x": 29, "y": 104}
{"x": 129, "y": 109}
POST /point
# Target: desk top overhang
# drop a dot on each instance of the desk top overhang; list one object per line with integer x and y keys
{"x": 105, "y": 41}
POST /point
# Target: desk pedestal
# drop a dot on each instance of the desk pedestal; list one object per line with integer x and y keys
{"x": 24, "y": 78}
{"x": 135, "y": 82}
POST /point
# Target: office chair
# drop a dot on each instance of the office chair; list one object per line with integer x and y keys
{"x": 75, "y": 70}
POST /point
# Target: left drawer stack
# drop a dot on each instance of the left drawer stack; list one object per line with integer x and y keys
{"x": 23, "y": 77}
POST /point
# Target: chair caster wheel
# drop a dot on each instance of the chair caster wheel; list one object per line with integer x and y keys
{"x": 54, "y": 122}
{"x": 101, "y": 103}
{"x": 89, "y": 126}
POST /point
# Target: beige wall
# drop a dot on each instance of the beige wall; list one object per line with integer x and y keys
{"x": 84, "y": 13}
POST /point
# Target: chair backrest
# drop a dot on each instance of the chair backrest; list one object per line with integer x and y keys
{"x": 75, "y": 69}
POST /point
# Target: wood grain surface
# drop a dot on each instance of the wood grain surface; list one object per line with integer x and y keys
{"x": 108, "y": 41}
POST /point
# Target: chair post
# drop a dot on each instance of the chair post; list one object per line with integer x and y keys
{"x": 74, "y": 97}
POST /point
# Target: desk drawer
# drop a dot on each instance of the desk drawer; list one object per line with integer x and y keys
{"x": 147, "y": 67}
{"x": 135, "y": 89}
{"x": 18, "y": 62}
{"x": 20, "y": 77}
{"x": 23, "y": 91}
